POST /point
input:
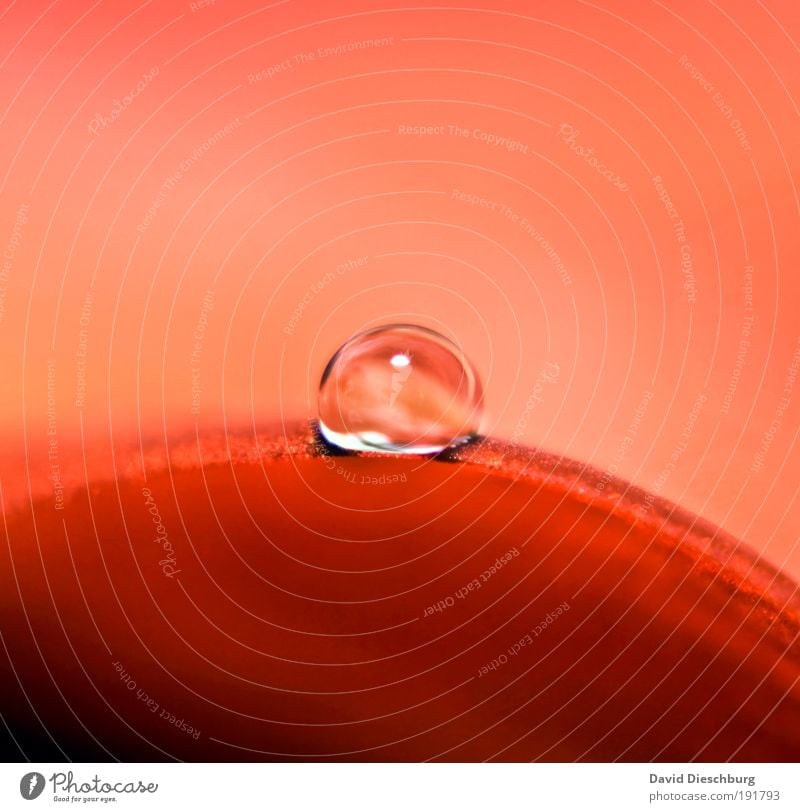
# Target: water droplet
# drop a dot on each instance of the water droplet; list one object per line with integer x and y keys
{"x": 399, "y": 388}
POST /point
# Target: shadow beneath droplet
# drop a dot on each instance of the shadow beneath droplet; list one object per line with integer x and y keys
{"x": 454, "y": 453}
{"x": 324, "y": 447}
{"x": 450, "y": 454}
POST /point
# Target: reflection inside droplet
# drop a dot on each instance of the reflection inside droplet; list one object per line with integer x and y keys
{"x": 399, "y": 388}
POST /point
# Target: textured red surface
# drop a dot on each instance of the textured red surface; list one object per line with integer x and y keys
{"x": 295, "y": 618}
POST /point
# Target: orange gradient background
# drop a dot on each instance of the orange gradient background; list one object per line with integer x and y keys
{"x": 271, "y": 187}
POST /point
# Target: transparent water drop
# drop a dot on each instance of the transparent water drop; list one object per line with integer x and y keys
{"x": 399, "y": 388}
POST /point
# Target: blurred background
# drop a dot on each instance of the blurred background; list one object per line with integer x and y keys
{"x": 199, "y": 201}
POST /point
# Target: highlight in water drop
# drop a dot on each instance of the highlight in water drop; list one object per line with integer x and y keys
{"x": 399, "y": 388}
